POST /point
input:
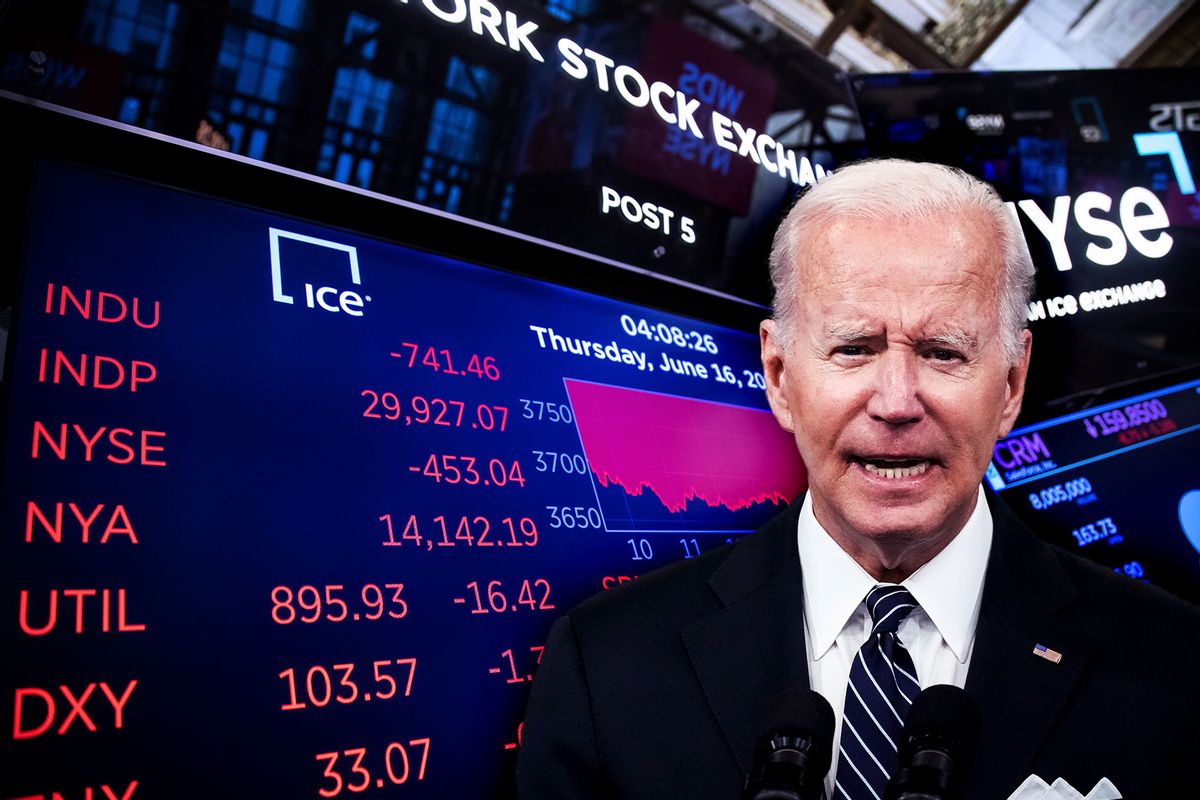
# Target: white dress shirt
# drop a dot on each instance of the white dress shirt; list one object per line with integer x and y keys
{"x": 939, "y": 634}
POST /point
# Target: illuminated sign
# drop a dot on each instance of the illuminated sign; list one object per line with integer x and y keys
{"x": 1133, "y": 229}
{"x": 1119, "y": 489}
{"x": 1175, "y": 116}
{"x": 381, "y": 514}
{"x": 653, "y": 216}
{"x": 724, "y": 86}
{"x": 1169, "y": 145}
{"x": 1020, "y": 450}
{"x": 671, "y": 104}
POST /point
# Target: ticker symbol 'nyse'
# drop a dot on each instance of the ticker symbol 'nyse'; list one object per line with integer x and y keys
{"x": 117, "y": 445}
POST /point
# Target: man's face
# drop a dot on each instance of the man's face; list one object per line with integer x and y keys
{"x": 894, "y": 379}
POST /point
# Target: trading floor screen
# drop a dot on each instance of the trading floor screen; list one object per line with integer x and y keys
{"x": 296, "y": 507}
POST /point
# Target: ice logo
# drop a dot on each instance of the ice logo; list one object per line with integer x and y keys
{"x": 325, "y": 298}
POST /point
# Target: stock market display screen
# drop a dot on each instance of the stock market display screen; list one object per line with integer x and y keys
{"x": 1115, "y": 483}
{"x": 289, "y": 510}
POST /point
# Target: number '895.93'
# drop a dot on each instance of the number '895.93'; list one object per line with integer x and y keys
{"x": 312, "y": 603}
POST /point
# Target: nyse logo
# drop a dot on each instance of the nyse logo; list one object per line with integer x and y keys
{"x": 322, "y": 297}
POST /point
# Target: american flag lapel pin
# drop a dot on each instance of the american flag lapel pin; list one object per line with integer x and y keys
{"x": 1041, "y": 651}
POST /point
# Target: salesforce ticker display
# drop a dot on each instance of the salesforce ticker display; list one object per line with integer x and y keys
{"x": 1114, "y": 483}
{"x": 289, "y": 510}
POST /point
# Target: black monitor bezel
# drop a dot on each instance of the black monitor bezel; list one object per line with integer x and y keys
{"x": 36, "y": 132}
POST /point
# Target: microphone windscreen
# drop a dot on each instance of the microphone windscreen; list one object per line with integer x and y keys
{"x": 946, "y": 712}
{"x": 802, "y": 714}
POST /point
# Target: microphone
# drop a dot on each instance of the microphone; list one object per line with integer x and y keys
{"x": 936, "y": 746}
{"x": 793, "y": 749}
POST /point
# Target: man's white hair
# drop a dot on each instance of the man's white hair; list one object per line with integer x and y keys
{"x": 896, "y": 189}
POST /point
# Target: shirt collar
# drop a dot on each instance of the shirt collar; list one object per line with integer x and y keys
{"x": 948, "y": 587}
{"x": 834, "y": 583}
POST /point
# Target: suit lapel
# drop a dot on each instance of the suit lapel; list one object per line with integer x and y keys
{"x": 1020, "y": 695}
{"x": 753, "y": 647}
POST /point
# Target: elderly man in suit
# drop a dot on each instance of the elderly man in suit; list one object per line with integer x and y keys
{"x": 897, "y": 356}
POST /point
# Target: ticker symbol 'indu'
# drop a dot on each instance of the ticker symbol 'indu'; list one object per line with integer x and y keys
{"x": 325, "y": 298}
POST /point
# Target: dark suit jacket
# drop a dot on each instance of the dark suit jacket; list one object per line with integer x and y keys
{"x": 656, "y": 689}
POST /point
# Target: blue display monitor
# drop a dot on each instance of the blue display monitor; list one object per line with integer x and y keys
{"x": 1116, "y": 483}
{"x": 1100, "y": 168}
{"x": 295, "y": 479}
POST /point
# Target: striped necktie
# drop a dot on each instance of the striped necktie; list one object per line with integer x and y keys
{"x": 882, "y": 686}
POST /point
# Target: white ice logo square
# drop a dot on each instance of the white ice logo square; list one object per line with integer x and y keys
{"x": 348, "y": 302}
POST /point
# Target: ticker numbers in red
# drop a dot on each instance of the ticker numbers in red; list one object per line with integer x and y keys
{"x": 319, "y": 687}
{"x": 348, "y": 772}
{"x": 441, "y": 360}
{"x": 454, "y": 469}
{"x": 328, "y": 603}
{"x": 509, "y": 668}
{"x": 466, "y": 531}
{"x": 534, "y": 595}
{"x": 517, "y": 743}
{"x": 434, "y": 411}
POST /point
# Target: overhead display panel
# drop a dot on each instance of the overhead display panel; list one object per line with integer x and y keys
{"x": 1100, "y": 168}
{"x": 664, "y": 136}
